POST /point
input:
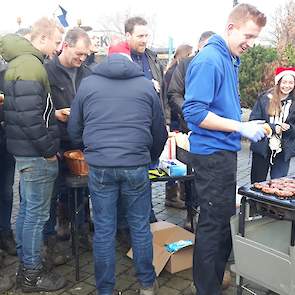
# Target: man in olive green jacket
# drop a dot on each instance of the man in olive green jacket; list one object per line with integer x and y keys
{"x": 32, "y": 137}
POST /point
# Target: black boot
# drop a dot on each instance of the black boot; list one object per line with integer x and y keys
{"x": 53, "y": 255}
{"x": 191, "y": 219}
{"x": 174, "y": 194}
{"x": 38, "y": 280}
{"x": 7, "y": 243}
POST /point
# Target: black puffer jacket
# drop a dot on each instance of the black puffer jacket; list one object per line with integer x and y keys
{"x": 3, "y": 67}
{"x": 63, "y": 91}
{"x": 29, "y": 115}
{"x": 2, "y": 136}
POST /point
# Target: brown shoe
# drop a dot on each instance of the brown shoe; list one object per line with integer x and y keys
{"x": 174, "y": 193}
{"x": 226, "y": 280}
{"x": 191, "y": 217}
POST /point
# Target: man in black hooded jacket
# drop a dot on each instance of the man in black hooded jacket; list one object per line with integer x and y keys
{"x": 65, "y": 73}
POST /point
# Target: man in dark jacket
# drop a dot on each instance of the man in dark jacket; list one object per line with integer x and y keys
{"x": 137, "y": 34}
{"x": 118, "y": 113}
{"x": 175, "y": 92}
{"x": 32, "y": 137}
{"x": 65, "y": 73}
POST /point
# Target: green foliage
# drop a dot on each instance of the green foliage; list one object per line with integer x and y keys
{"x": 252, "y": 73}
{"x": 288, "y": 56}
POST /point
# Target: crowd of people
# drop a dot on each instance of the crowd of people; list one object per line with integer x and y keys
{"x": 118, "y": 112}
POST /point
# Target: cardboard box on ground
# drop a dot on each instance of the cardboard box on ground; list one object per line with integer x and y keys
{"x": 166, "y": 233}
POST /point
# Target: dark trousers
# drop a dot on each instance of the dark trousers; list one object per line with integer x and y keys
{"x": 216, "y": 190}
{"x": 261, "y": 165}
{"x": 6, "y": 189}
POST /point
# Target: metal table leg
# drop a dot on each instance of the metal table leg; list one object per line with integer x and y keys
{"x": 76, "y": 235}
{"x": 239, "y": 285}
{"x": 72, "y": 219}
{"x": 292, "y": 233}
{"x": 242, "y": 214}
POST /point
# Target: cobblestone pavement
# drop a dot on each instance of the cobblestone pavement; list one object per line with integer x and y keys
{"x": 170, "y": 284}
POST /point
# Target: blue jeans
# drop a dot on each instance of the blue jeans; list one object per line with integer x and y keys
{"x": 132, "y": 185}
{"x": 6, "y": 190}
{"x": 37, "y": 177}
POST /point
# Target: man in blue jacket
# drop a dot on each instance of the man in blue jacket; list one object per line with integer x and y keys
{"x": 118, "y": 113}
{"x": 213, "y": 114}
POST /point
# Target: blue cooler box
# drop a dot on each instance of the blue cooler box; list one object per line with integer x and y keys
{"x": 173, "y": 167}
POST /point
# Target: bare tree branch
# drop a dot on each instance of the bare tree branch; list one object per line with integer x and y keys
{"x": 283, "y": 26}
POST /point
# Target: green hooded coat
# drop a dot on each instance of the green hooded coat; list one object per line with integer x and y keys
{"x": 29, "y": 115}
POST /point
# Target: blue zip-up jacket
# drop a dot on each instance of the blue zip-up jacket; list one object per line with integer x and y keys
{"x": 118, "y": 114}
{"x": 212, "y": 85}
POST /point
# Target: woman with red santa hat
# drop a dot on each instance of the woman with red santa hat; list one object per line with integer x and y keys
{"x": 277, "y": 109}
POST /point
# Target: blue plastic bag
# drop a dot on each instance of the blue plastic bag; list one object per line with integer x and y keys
{"x": 175, "y": 246}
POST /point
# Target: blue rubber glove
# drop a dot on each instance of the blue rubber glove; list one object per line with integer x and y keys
{"x": 252, "y": 130}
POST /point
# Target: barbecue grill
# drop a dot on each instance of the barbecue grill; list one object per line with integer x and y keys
{"x": 264, "y": 244}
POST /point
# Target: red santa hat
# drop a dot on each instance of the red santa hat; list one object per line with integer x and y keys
{"x": 121, "y": 47}
{"x": 281, "y": 72}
